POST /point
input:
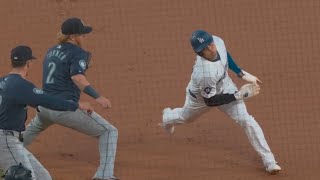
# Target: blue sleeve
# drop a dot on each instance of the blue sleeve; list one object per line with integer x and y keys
{"x": 79, "y": 64}
{"x": 26, "y": 93}
{"x": 232, "y": 65}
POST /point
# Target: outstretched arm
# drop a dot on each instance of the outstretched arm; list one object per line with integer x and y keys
{"x": 27, "y": 93}
{"x": 232, "y": 65}
{"x": 245, "y": 92}
{"x": 241, "y": 73}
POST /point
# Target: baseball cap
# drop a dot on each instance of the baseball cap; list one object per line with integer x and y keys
{"x": 21, "y": 53}
{"x": 200, "y": 39}
{"x": 74, "y": 26}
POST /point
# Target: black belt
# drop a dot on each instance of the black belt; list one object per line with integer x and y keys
{"x": 12, "y": 133}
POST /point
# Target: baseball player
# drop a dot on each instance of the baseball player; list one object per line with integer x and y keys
{"x": 15, "y": 94}
{"x": 64, "y": 70}
{"x": 210, "y": 86}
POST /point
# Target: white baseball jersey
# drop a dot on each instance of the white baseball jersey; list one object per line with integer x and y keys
{"x": 210, "y": 77}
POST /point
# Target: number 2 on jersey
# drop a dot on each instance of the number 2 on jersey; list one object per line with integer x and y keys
{"x": 52, "y": 68}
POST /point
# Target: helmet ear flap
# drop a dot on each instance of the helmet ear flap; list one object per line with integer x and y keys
{"x": 18, "y": 172}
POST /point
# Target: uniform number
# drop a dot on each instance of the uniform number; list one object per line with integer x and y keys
{"x": 52, "y": 68}
{"x": 0, "y": 100}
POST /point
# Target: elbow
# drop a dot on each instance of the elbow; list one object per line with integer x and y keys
{"x": 80, "y": 81}
{"x": 77, "y": 78}
{"x": 210, "y": 102}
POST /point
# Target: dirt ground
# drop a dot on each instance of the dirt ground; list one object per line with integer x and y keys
{"x": 142, "y": 61}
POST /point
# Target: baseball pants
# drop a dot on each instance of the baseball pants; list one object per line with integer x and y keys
{"x": 237, "y": 110}
{"x": 93, "y": 125}
{"x": 12, "y": 153}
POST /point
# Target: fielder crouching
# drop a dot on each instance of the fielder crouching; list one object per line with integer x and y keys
{"x": 64, "y": 69}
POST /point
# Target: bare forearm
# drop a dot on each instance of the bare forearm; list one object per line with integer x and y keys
{"x": 80, "y": 81}
{"x": 84, "y": 85}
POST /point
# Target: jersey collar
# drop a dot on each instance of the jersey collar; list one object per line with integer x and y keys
{"x": 214, "y": 60}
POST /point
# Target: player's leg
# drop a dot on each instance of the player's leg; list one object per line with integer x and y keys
{"x": 39, "y": 171}
{"x": 238, "y": 112}
{"x": 34, "y": 128}
{"x": 107, "y": 147}
{"x": 12, "y": 153}
{"x": 92, "y": 125}
{"x": 187, "y": 114}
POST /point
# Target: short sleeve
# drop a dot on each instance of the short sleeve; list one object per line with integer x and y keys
{"x": 79, "y": 64}
{"x": 208, "y": 87}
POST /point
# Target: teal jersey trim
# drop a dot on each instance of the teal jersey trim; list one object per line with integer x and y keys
{"x": 232, "y": 65}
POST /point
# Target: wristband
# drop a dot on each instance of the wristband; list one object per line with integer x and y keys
{"x": 241, "y": 74}
{"x": 91, "y": 92}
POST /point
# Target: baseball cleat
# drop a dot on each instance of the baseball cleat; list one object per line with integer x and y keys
{"x": 273, "y": 168}
{"x": 167, "y": 126}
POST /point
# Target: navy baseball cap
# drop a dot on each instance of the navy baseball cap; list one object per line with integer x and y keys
{"x": 21, "y": 53}
{"x": 200, "y": 39}
{"x": 74, "y": 26}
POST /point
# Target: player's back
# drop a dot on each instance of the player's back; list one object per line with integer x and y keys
{"x": 12, "y": 113}
{"x": 60, "y": 64}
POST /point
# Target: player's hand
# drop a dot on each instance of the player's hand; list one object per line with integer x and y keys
{"x": 86, "y": 107}
{"x": 104, "y": 102}
{"x": 250, "y": 78}
{"x": 247, "y": 91}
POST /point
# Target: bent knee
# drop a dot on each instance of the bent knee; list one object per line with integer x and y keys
{"x": 114, "y": 131}
{"x": 111, "y": 130}
{"x": 245, "y": 121}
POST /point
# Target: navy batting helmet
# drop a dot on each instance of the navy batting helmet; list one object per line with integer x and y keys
{"x": 200, "y": 39}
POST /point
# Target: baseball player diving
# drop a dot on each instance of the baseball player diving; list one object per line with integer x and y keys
{"x": 16, "y": 93}
{"x": 64, "y": 68}
{"x": 210, "y": 86}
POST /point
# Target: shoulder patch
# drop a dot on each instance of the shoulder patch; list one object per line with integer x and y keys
{"x": 37, "y": 91}
{"x": 207, "y": 90}
{"x": 83, "y": 64}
